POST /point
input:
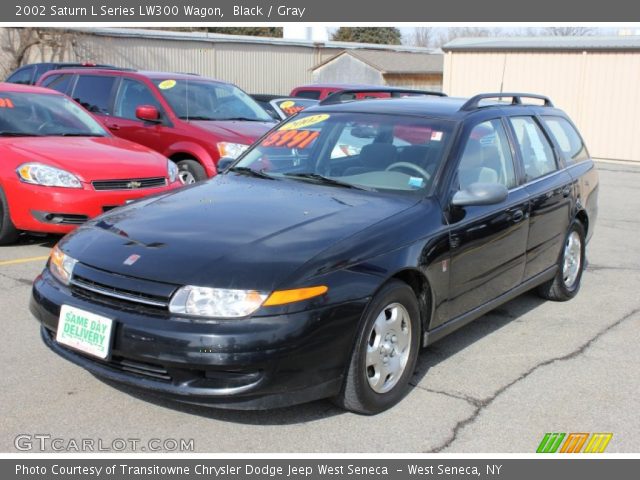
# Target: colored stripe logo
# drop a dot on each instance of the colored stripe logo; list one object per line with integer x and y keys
{"x": 573, "y": 442}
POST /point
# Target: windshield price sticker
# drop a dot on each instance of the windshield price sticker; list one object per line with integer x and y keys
{"x": 166, "y": 84}
{"x": 290, "y": 138}
{"x": 305, "y": 122}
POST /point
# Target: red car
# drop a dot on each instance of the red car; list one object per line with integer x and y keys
{"x": 320, "y": 91}
{"x": 192, "y": 120}
{"x": 60, "y": 167}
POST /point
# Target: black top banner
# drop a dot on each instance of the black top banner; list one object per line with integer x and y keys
{"x": 282, "y": 11}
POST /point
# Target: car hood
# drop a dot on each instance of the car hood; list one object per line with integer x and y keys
{"x": 232, "y": 231}
{"x": 89, "y": 158}
{"x": 237, "y": 131}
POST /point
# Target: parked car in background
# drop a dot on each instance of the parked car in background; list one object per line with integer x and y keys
{"x": 31, "y": 73}
{"x": 320, "y": 91}
{"x": 60, "y": 167}
{"x": 300, "y": 274}
{"x": 280, "y": 107}
{"x": 192, "y": 120}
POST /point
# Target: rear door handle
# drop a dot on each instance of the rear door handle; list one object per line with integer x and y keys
{"x": 113, "y": 126}
{"x": 566, "y": 191}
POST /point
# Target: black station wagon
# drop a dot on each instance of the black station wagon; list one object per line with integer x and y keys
{"x": 321, "y": 261}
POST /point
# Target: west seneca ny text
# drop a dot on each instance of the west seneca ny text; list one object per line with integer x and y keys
{"x": 166, "y": 10}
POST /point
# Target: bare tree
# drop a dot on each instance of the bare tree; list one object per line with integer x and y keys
{"x": 567, "y": 31}
{"x": 19, "y": 44}
{"x": 423, "y": 37}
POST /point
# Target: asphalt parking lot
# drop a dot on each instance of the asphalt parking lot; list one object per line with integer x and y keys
{"x": 497, "y": 385}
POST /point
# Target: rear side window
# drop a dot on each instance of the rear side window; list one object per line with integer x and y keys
{"x": 567, "y": 138}
{"x": 93, "y": 92}
{"x": 23, "y": 76}
{"x": 535, "y": 150}
{"x": 58, "y": 82}
{"x": 312, "y": 94}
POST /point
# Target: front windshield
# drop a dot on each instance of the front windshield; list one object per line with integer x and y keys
{"x": 203, "y": 100}
{"x": 37, "y": 115}
{"x": 370, "y": 151}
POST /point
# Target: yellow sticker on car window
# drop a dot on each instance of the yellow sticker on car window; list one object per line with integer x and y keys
{"x": 287, "y": 104}
{"x": 305, "y": 122}
{"x": 166, "y": 84}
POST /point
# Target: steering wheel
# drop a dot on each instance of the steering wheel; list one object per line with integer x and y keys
{"x": 411, "y": 166}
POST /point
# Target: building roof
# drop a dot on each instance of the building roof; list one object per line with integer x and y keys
{"x": 225, "y": 38}
{"x": 394, "y": 62}
{"x": 623, "y": 42}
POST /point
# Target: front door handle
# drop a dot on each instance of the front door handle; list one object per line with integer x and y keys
{"x": 566, "y": 191}
{"x": 113, "y": 126}
{"x": 517, "y": 216}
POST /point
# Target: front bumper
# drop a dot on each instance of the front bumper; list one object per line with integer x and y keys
{"x": 60, "y": 210}
{"x": 254, "y": 363}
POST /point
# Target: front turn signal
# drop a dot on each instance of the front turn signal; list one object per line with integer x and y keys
{"x": 282, "y": 297}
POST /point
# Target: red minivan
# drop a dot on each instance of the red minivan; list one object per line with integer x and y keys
{"x": 191, "y": 120}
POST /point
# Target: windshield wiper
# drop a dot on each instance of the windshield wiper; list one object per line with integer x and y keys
{"x": 243, "y": 119}
{"x": 19, "y": 134}
{"x": 196, "y": 117}
{"x": 251, "y": 171}
{"x": 74, "y": 134}
{"x": 324, "y": 180}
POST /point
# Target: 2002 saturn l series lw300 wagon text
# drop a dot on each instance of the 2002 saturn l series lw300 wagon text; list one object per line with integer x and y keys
{"x": 326, "y": 255}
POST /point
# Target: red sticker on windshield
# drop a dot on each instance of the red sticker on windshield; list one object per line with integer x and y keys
{"x": 6, "y": 103}
{"x": 290, "y": 138}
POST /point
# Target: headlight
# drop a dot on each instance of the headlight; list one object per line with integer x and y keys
{"x": 172, "y": 171}
{"x": 215, "y": 302}
{"x": 39, "y": 174}
{"x": 231, "y": 150}
{"x": 61, "y": 265}
{"x": 223, "y": 303}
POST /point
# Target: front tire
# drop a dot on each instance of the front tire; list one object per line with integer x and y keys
{"x": 8, "y": 232}
{"x": 190, "y": 171}
{"x": 566, "y": 284}
{"x": 385, "y": 353}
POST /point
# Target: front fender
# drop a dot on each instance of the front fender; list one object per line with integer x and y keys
{"x": 198, "y": 152}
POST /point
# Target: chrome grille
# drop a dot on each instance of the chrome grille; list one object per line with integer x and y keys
{"x": 86, "y": 285}
{"x": 129, "y": 184}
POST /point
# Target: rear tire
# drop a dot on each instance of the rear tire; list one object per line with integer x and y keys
{"x": 8, "y": 232}
{"x": 385, "y": 354}
{"x": 566, "y": 284}
{"x": 190, "y": 171}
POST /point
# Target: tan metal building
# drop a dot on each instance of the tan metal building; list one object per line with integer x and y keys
{"x": 594, "y": 79}
{"x": 421, "y": 70}
{"x": 256, "y": 64}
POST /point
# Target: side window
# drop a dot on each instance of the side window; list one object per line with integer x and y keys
{"x": 93, "y": 92}
{"x": 131, "y": 95}
{"x": 487, "y": 157}
{"x": 312, "y": 94}
{"x": 534, "y": 147}
{"x": 22, "y": 76}
{"x": 567, "y": 138}
{"x": 58, "y": 82}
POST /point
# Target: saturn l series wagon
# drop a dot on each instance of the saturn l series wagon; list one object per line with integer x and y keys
{"x": 336, "y": 246}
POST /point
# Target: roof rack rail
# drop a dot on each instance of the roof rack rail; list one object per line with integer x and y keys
{"x": 337, "y": 97}
{"x": 516, "y": 99}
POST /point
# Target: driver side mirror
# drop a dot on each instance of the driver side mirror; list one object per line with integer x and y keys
{"x": 148, "y": 113}
{"x": 480, "y": 194}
